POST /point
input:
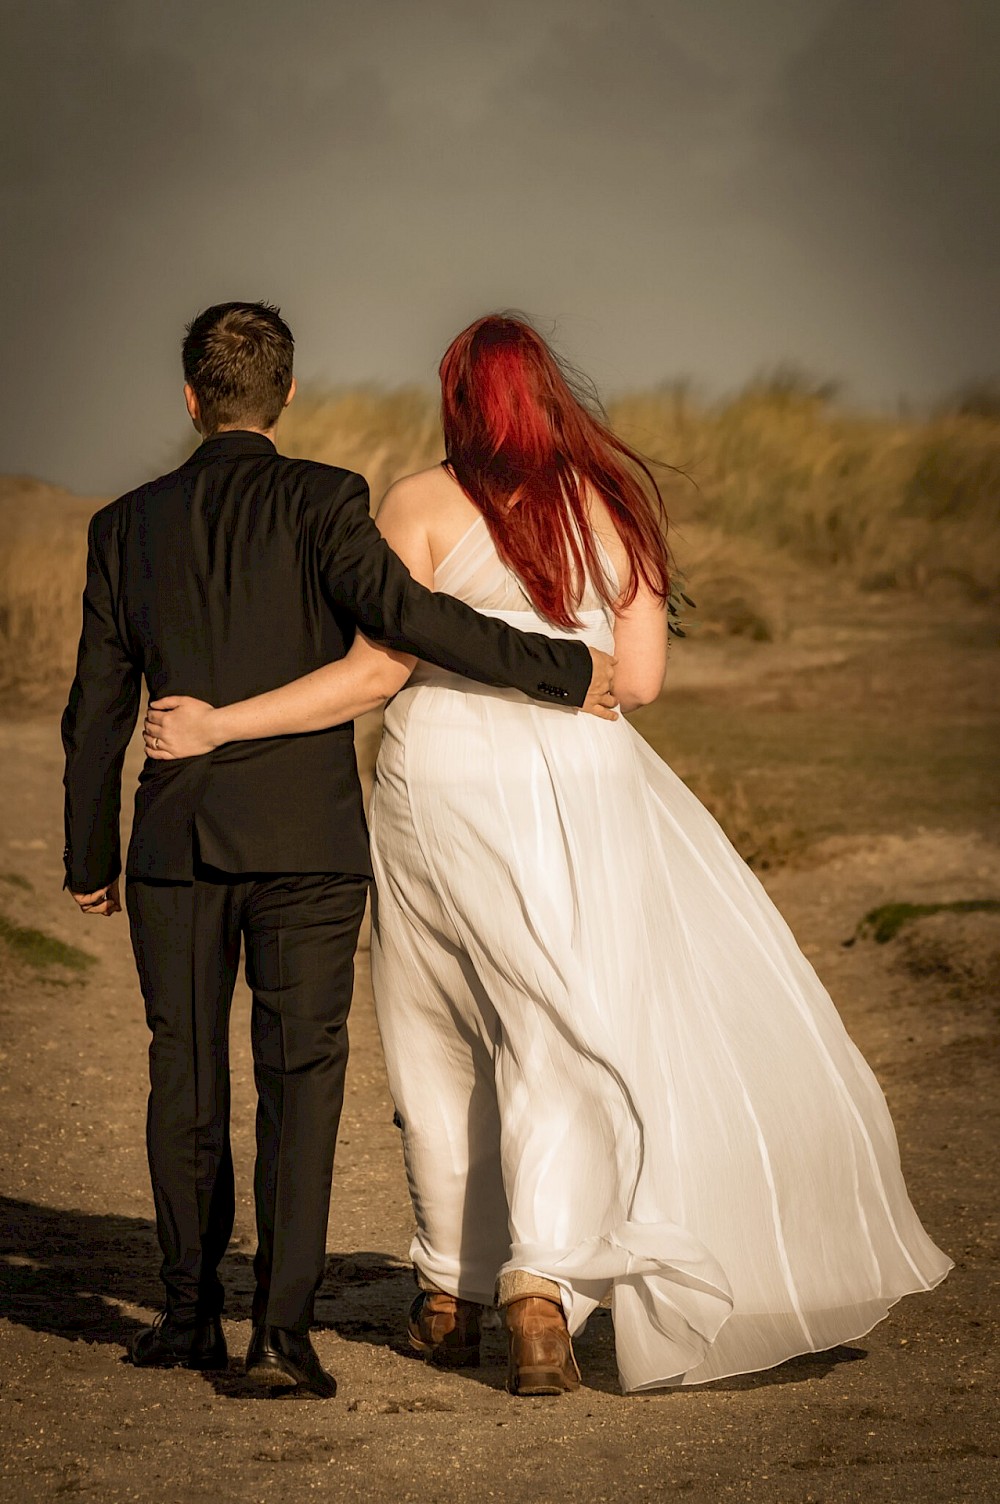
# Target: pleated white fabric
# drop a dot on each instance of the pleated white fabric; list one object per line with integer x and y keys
{"x": 613, "y": 1065}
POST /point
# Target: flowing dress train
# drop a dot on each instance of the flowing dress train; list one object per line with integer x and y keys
{"x": 613, "y": 1065}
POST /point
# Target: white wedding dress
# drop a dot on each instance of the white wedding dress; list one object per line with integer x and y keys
{"x": 613, "y": 1065}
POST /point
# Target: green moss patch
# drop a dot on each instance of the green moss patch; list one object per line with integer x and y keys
{"x": 36, "y": 949}
{"x": 884, "y": 923}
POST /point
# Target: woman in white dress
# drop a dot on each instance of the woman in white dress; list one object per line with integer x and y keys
{"x": 614, "y": 1069}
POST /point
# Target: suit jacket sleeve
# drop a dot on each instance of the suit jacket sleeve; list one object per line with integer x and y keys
{"x": 372, "y": 583}
{"x": 98, "y": 721}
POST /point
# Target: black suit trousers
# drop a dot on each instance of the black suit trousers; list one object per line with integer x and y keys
{"x": 300, "y": 932}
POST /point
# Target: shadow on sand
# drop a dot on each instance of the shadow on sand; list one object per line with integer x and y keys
{"x": 68, "y": 1273}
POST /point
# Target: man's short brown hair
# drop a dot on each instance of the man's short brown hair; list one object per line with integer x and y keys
{"x": 238, "y": 360}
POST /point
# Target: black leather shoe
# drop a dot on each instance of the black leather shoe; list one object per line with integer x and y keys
{"x": 278, "y": 1356}
{"x": 171, "y": 1344}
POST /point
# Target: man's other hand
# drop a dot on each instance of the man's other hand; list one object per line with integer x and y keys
{"x": 104, "y": 901}
{"x": 600, "y": 699}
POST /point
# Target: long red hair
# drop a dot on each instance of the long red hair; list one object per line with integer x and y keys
{"x": 524, "y": 442}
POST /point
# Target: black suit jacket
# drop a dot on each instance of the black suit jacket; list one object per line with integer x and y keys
{"x": 233, "y": 574}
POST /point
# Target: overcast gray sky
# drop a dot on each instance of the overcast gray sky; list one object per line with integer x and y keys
{"x": 685, "y": 187}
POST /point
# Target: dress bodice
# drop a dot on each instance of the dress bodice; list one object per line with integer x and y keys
{"x": 475, "y": 573}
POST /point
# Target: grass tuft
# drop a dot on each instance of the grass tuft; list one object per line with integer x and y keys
{"x": 763, "y": 838}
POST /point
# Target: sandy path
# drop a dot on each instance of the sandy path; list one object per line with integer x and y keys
{"x": 910, "y": 1414}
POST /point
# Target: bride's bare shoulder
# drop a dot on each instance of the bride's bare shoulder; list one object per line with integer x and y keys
{"x": 430, "y": 501}
{"x": 406, "y": 510}
{"x": 421, "y": 490}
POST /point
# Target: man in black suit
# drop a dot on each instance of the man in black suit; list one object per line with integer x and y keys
{"x": 237, "y": 572}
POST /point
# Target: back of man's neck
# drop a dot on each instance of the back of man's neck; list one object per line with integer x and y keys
{"x": 265, "y": 433}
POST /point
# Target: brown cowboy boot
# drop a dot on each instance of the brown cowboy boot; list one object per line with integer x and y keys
{"x": 541, "y": 1352}
{"x": 444, "y": 1329}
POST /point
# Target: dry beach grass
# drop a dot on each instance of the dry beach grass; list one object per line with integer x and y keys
{"x": 777, "y": 479}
